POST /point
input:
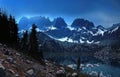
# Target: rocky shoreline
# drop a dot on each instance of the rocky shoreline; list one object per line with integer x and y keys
{"x": 16, "y": 64}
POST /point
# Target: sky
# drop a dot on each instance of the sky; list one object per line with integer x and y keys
{"x": 100, "y": 12}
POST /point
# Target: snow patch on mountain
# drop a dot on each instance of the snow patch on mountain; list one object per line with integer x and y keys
{"x": 52, "y": 28}
{"x": 83, "y": 38}
{"x": 91, "y": 32}
{"x": 66, "y": 39}
{"x": 70, "y": 40}
{"x": 97, "y": 42}
{"x": 75, "y": 41}
{"x": 115, "y": 29}
{"x": 84, "y": 28}
{"x": 79, "y": 29}
{"x": 81, "y": 41}
{"x": 89, "y": 42}
{"x": 63, "y": 39}
{"x": 99, "y": 32}
{"x": 71, "y": 28}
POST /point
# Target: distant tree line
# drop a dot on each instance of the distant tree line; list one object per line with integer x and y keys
{"x": 9, "y": 35}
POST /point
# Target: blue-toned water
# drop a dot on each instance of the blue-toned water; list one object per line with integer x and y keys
{"x": 103, "y": 69}
{"x": 90, "y": 64}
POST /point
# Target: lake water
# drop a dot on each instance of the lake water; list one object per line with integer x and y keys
{"x": 103, "y": 69}
{"x": 90, "y": 65}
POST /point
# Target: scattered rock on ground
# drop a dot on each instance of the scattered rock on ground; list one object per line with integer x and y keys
{"x": 74, "y": 74}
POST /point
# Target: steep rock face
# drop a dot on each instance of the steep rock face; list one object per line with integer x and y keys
{"x": 49, "y": 44}
{"x": 78, "y": 23}
{"x": 112, "y": 35}
{"x": 42, "y": 23}
{"x": 43, "y": 37}
{"x": 59, "y": 33}
{"x": 113, "y": 32}
{"x": 52, "y": 46}
{"x": 59, "y": 23}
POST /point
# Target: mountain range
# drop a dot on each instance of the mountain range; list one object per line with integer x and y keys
{"x": 64, "y": 43}
{"x": 82, "y": 37}
{"x": 80, "y": 31}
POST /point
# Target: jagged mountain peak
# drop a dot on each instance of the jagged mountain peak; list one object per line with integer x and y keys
{"x": 81, "y": 30}
{"x": 78, "y": 23}
{"x": 100, "y": 27}
{"x": 59, "y": 23}
{"x": 41, "y": 22}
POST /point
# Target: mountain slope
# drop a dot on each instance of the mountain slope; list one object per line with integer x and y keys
{"x": 16, "y": 64}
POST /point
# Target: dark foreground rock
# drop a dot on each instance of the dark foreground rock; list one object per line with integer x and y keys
{"x": 17, "y": 64}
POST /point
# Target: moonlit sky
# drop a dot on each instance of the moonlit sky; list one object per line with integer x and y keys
{"x": 100, "y": 12}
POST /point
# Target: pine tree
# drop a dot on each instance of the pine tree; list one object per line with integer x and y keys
{"x": 78, "y": 63}
{"x": 33, "y": 45}
{"x": 13, "y": 30}
{"x": 4, "y": 28}
{"x": 24, "y": 41}
{"x": 9, "y": 28}
{"x": 33, "y": 41}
